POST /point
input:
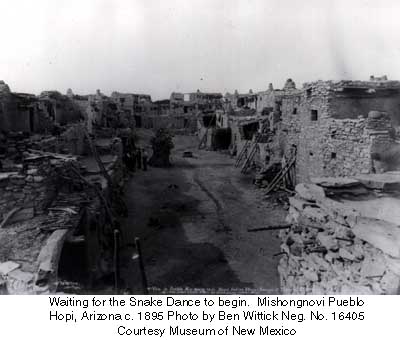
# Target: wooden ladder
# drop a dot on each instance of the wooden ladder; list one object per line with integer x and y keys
{"x": 242, "y": 153}
{"x": 203, "y": 141}
{"x": 281, "y": 176}
{"x": 249, "y": 158}
{"x": 204, "y": 138}
{"x": 252, "y": 152}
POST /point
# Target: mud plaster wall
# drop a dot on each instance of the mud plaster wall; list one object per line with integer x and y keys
{"x": 265, "y": 99}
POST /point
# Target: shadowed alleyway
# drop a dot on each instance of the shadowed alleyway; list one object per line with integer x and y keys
{"x": 192, "y": 220}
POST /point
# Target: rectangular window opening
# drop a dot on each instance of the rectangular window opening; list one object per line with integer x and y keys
{"x": 314, "y": 115}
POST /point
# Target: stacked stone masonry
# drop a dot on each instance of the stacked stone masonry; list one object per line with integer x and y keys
{"x": 330, "y": 138}
{"x": 334, "y": 248}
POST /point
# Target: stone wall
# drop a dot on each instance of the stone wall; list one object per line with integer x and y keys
{"x": 328, "y": 146}
{"x": 33, "y": 259}
{"x": 20, "y": 112}
{"x": 58, "y": 211}
{"x": 184, "y": 123}
{"x": 333, "y": 248}
{"x": 31, "y": 189}
{"x": 71, "y": 140}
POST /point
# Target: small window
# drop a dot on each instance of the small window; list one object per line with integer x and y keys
{"x": 294, "y": 111}
{"x": 314, "y": 115}
{"x": 333, "y": 155}
{"x": 333, "y": 134}
{"x": 309, "y": 92}
{"x": 311, "y": 153}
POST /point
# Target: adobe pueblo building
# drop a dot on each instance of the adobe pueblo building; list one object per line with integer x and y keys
{"x": 60, "y": 172}
{"x": 339, "y": 128}
{"x": 326, "y": 156}
{"x": 334, "y": 146}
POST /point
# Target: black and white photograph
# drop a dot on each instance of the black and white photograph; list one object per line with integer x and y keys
{"x": 199, "y": 147}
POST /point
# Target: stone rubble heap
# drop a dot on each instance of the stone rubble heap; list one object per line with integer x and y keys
{"x": 332, "y": 248}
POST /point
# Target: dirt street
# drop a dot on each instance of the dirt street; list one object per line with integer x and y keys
{"x": 192, "y": 220}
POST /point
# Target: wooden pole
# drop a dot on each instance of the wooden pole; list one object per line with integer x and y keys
{"x": 273, "y": 227}
{"x": 253, "y": 151}
{"x": 141, "y": 266}
{"x": 280, "y": 176}
{"x": 204, "y": 139}
{"x": 105, "y": 202}
{"x": 116, "y": 260}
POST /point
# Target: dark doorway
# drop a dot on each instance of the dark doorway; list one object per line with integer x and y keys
{"x": 222, "y": 139}
{"x": 314, "y": 115}
{"x": 138, "y": 121}
{"x": 209, "y": 120}
{"x": 72, "y": 266}
{"x": 31, "y": 119}
{"x": 249, "y": 130}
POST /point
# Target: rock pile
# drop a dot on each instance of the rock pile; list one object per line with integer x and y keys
{"x": 333, "y": 248}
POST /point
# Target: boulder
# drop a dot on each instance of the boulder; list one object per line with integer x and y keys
{"x": 393, "y": 264}
{"x": 335, "y": 182}
{"x": 390, "y": 283}
{"x": 21, "y": 276}
{"x": 345, "y": 254}
{"x": 7, "y": 267}
{"x": 298, "y": 203}
{"x": 315, "y": 214}
{"x": 310, "y": 192}
{"x": 327, "y": 240}
{"x": 351, "y": 289}
{"x": 373, "y": 267}
{"x": 338, "y": 211}
{"x": 292, "y": 216}
{"x": 384, "y": 182}
{"x": 381, "y": 234}
{"x": 376, "y": 114}
{"x": 311, "y": 275}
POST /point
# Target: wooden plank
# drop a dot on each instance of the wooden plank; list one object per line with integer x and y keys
{"x": 273, "y": 227}
{"x": 10, "y": 214}
{"x": 278, "y": 178}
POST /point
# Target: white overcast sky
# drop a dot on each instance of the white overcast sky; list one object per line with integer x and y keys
{"x": 160, "y": 46}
